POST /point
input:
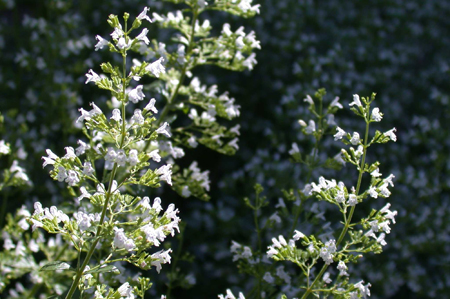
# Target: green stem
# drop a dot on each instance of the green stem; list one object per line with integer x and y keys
{"x": 109, "y": 192}
{"x": 352, "y": 210}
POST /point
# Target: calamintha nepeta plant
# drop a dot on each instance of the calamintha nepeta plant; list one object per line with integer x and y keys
{"x": 322, "y": 259}
{"x": 130, "y": 150}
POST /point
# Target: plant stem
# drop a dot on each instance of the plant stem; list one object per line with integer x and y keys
{"x": 352, "y": 210}
{"x": 110, "y": 191}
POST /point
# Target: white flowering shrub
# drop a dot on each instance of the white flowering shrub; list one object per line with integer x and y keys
{"x": 322, "y": 258}
{"x": 108, "y": 221}
{"x": 398, "y": 49}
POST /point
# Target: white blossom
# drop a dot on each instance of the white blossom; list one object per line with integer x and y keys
{"x": 163, "y": 129}
{"x": 376, "y": 114}
{"x": 156, "y": 68}
{"x": 136, "y": 94}
{"x": 101, "y": 43}
{"x": 356, "y": 101}
{"x": 151, "y": 106}
{"x": 143, "y": 15}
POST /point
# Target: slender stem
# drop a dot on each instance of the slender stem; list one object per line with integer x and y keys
{"x": 352, "y": 210}
{"x": 109, "y": 192}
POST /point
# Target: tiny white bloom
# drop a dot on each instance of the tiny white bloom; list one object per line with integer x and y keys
{"x": 391, "y": 134}
{"x": 308, "y": 99}
{"x": 356, "y": 101}
{"x": 156, "y": 68}
{"x": 101, "y": 43}
{"x": 136, "y": 94}
{"x": 163, "y": 129}
{"x": 355, "y": 138}
{"x": 116, "y": 115}
{"x": 376, "y": 114}
{"x": 352, "y": 200}
{"x": 143, "y": 36}
{"x": 151, "y": 106}
{"x": 92, "y": 76}
{"x": 143, "y": 15}
{"x": 339, "y": 133}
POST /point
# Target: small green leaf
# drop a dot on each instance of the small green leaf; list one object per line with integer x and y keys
{"x": 56, "y": 265}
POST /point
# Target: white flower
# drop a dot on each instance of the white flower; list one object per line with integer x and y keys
{"x": 136, "y": 94}
{"x": 294, "y": 149}
{"x": 50, "y": 159}
{"x": 185, "y": 192}
{"x": 391, "y": 134}
{"x": 233, "y": 143}
{"x": 72, "y": 178}
{"x": 121, "y": 158}
{"x": 202, "y": 3}
{"x": 376, "y": 173}
{"x": 82, "y": 148}
{"x": 163, "y": 129}
{"x": 373, "y": 192}
{"x": 151, "y": 106}
{"x": 192, "y": 142}
{"x": 123, "y": 44}
{"x": 101, "y": 42}
{"x": 363, "y": 290}
{"x": 137, "y": 117}
{"x": 165, "y": 173}
{"x": 356, "y": 101}
{"x": 116, "y": 115}
{"x": 311, "y": 127}
{"x": 352, "y": 200}
{"x": 4, "y": 148}
{"x": 133, "y": 157}
{"x": 339, "y": 134}
{"x": 226, "y": 29}
{"x": 117, "y": 33}
{"x": 155, "y": 156}
{"x": 272, "y": 251}
{"x": 240, "y": 42}
{"x": 326, "y": 277}
{"x": 335, "y": 103}
{"x": 143, "y": 15}
{"x": 156, "y": 67}
{"x": 121, "y": 240}
{"x": 376, "y": 114}
{"x": 308, "y": 99}
{"x": 298, "y": 235}
{"x": 342, "y": 269}
{"x": 250, "y": 62}
{"x": 359, "y": 152}
{"x": 126, "y": 291}
{"x": 92, "y": 76}
{"x": 355, "y": 138}
{"x": 143, "y": 36}
{"x": 326, "y": 252}
{"x": 62, "y": 174}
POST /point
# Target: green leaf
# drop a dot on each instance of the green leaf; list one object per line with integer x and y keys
{"x": 56, "y": 265}
{"x": 109, "y": 268}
